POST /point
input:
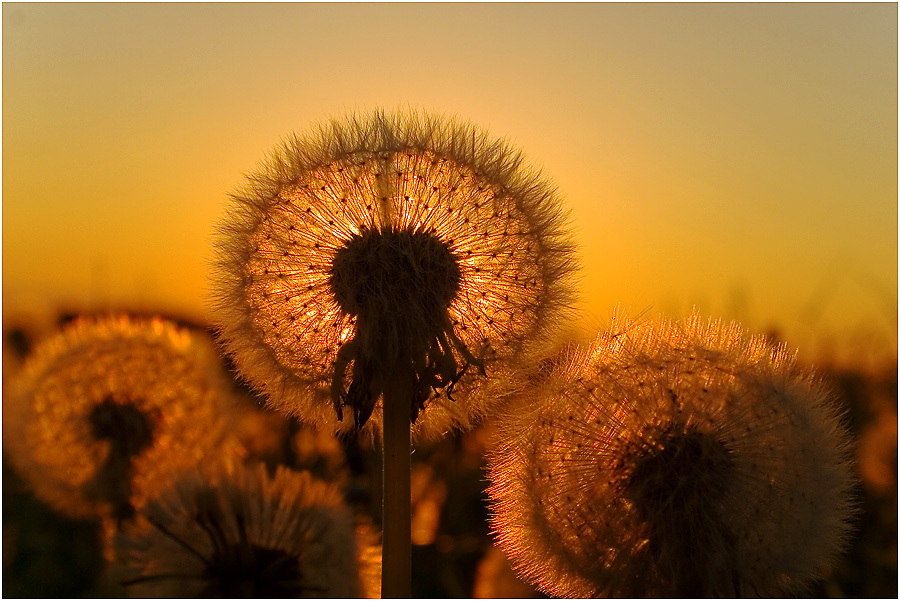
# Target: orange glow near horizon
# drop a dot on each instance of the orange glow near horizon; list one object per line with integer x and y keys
{"x": 739, "y": 158}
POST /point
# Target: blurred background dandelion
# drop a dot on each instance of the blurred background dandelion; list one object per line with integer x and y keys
{"x": 737, "y": 158}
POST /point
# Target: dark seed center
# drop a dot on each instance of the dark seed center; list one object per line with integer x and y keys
{"x": 391, "y": 271}
{"x": 681, "y": 471}
{"x": 399, "y": 285}
{"x": 252, "y": 571}
{"x": 129, "y": 431}
{"x": 677, "y": 485}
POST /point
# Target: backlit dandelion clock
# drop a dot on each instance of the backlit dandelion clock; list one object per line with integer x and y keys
{"x": 677, "y": 461}
{"x": 232, "y": 531}
{"x": 389, "y": 247}
{"x": 386, "y": 265}
{"x": 106, "y": 411}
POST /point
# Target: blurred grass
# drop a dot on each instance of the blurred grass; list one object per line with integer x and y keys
{"x": 46, "y": 555}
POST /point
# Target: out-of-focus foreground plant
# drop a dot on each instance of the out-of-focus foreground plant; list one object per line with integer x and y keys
{"x": 234, "y": 531}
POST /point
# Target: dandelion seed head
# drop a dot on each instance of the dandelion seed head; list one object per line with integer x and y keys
{"x": 673, "y": 459}
{"x": 105, "y": 411}
{"x": 382, "y": 241}
{"x": 231, "y": 531}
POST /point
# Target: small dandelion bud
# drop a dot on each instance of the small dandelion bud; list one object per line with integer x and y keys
{"x": 103, "y": 413}
{"x": 236, "y": 532}
{"x": 386, "y": 248}
{"x": 673, "y": 460}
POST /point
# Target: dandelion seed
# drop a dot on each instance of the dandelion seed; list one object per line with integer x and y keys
{"x": 236, "y": 532}
{"x": 686, "y": 460}
{"x": 382, "y": 245}
{"x": 104, "y": 412}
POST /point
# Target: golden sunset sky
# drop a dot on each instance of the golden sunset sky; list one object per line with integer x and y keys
{"x": 734, "y": 157}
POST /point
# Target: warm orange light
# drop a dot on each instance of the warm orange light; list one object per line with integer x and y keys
{"x": 448, "y": 256}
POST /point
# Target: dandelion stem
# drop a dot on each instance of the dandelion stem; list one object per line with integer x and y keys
{"x": 396, "y": 567}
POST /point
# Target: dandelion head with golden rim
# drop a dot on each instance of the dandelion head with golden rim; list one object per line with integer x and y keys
{"x": 673, "y": 459}
{"x": 105, "y": 411}
{"x": 389, "y": 243}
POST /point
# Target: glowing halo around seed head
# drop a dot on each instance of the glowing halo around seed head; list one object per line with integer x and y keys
{"x": 389, "y": 238}
{"x": 670, "y": 460}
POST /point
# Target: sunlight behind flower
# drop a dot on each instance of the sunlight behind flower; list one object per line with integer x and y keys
{"x": 385, "y": 274}
{"x": 389, "y": 239}
{"x": 738, "y": 157}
